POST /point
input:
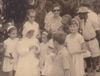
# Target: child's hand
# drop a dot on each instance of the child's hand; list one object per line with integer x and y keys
{"x": 32, "y": 48}
{"x": 9, "y": 57}
{"x": 35, "y": 50}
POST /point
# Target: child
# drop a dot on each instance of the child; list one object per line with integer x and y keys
{"x": 56, "y": 61}
{"x": 10, "y": 48}
{"x": 44, "y": 43}
{"x": 75, "y": 45}
{"x": 61, "y": 58}
{"x": 27, "y": 51}
{"x": 31, "y": 23}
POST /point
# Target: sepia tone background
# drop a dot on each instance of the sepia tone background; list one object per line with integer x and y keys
{"x": 16, "y": 10}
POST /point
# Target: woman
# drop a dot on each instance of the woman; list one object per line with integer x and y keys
{"x": 27, "y": 62}
{"x": 53, "y": 20}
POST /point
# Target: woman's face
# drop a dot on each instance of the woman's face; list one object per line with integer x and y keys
{"x": 56, "y": 11}
{"x": 31, "y": 16}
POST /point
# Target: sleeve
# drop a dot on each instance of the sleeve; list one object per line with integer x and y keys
{"x": 24, "y": 29}
{"x": 81, "y": 39}
{"x": 95, "y": 24}
{"x": 5, "y": 44}
{"x": 65, "y": 59}
{"x": 66, "y": 39}
{"x": 37, "y": 31}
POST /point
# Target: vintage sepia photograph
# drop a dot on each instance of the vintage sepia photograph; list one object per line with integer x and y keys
{"x": 49, "y": 37}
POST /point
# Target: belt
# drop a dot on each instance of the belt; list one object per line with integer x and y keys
{"x": 90, "y": 39}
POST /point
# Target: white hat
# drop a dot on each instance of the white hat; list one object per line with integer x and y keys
{"x": 45, "y": 33}
{"x": 26, "y": 30}
{"x": 83, "y": 10}
{"x": 10, "y": 27}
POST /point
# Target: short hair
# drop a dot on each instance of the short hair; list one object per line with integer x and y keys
{"x": 56, "y": 5}
{"x": 59, "y": 37}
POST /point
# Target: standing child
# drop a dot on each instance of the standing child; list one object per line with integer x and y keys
{"x": 43, "y": 50}
{"x": 75, "y": 45}
{"x": 44, "y": 44}
{"x": 27, "y": 51}
{"x": 10, "y": 48}
{"x": 61, "y": 66}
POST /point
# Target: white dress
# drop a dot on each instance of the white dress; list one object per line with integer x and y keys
{"x": 28, "y": 63}
{"x": 10, "y": 46}
{"x": 77, "y": 62}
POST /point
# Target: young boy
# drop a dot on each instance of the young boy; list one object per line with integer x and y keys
{"x": 61, "y": 59}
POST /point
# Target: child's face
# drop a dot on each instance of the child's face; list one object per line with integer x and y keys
{"x": 13, "y": 34}
{"x": 30, "y": 34}
{"x": 44, "y": 38}
{"x": 73, "y": 28}
{"x": 31, "y": 16}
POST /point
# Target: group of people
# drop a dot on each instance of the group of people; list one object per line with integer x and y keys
{"x": 61, "y": 49}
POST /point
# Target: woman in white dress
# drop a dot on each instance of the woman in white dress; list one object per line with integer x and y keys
{"x": 27, "y": 62}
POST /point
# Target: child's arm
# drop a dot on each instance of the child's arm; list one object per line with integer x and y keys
{"x": 7, "y": 56}
{"x": 66, "y": 62}
{"x": 83, "y": 47}
{"x": 35, "y": 50}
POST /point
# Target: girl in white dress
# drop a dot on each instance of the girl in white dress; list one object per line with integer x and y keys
{"x": 27, "y": 62}
{"x": 75, "y": 45}
{"x": 10, "y": 48}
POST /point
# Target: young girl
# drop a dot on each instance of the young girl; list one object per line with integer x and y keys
{"x": 75, "y": 45}
{"x": 44, "y": 44}
{"x": 27, "y": 51}
{"x": 10, "y": 48}
{"x": 44, "y": 55}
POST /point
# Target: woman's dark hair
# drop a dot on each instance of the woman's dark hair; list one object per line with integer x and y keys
{"x": 56, "y": 5}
